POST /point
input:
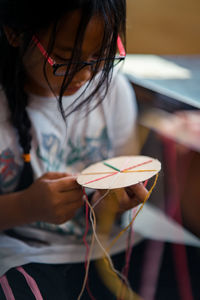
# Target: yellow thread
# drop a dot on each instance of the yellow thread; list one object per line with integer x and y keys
{"x": 128, "y": 171}
{"x": 97, "y": 173}
{"x": 90, "y": 252}
{"x": 125, "y": 171}
{"x": 129, "y": 225}
{"x": 112, "y": 283}
{"x": 26, "y": 157}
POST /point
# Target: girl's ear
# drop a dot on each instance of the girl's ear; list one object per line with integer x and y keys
{"x": 12, "y": 37}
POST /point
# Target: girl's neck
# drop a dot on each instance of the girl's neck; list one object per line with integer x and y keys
{"x": 39, "y": 91}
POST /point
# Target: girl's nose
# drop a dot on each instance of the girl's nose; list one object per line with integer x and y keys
{"x": 83, "y": 75}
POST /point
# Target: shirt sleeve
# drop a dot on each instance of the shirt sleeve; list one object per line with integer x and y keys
{"x": 121, "y": 116}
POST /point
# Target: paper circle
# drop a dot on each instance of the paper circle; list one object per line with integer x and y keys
{"x": 119, "y": 172}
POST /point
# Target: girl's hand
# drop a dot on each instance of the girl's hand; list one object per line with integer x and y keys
{"x": 133, "y": 196}
{"x": 124, "y": 200}
{"x": 53, "y": 198}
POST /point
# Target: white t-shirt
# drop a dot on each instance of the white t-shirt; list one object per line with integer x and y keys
{"x": 107, "y": 131}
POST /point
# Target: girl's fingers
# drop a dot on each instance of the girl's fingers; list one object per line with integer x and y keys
{"x": 66, "y": 184}
{"x": 74, "y": 205}
{"x": 127, "y": 202}
{"x": 137, "y": 191}
{"x": 54, "y": 175}
{"x": 74, "y": 196}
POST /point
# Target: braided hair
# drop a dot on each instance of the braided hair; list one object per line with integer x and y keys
{"x": 12, "y": 81}
{"x": 27, "y": 18}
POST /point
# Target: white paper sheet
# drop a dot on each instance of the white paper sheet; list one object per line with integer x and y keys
{"x": 152, "y": 223}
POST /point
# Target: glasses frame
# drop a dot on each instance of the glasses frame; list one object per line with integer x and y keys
{"x": 82, "y": 64}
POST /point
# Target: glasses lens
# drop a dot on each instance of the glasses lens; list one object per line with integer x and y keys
{"x": 117, "y": 60}
{"x": 74, "y": 68}
{"x": 95, "y": 66}
{"x": 61, "y": 70}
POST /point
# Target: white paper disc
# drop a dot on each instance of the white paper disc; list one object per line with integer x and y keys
{"x": 119, "y": 172}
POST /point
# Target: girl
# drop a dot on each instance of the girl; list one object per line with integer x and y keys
{"x": 60, "y": 110}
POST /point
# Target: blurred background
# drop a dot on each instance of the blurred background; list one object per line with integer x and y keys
{"x": 163, "y": 66}
{"x": 163, "y": 27}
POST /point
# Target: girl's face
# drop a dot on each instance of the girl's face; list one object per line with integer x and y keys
{"x": 65, "y": 38}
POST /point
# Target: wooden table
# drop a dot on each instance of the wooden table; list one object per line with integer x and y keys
{"x": 168, "y": 82}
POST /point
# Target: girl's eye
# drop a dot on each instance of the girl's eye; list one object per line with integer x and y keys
{"x": 96, "y": 56}
{"x": 93, "y": 59}
{"x": 61, "y": 59}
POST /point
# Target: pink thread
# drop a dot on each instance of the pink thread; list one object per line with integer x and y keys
{"x": 130, "y": 243}
{"x": 128, "y": 253}
{"x": 114, "y": 173}
{"x": 85, "y": 240}
{"x": 6, "y": 288}
{"x": 145, "y": 183}
{"x": 129, "y": 246}
{"x": 31, "y": 283}
{"x": 86, "y": 231}
{"x": 138, "y": 165}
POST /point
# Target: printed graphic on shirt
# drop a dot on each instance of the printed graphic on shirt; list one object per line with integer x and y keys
{"x": 92, "y": 150}
{"x": 74, "y": 228}
{"x": 9, "y": 171}
{"x": 50, "y": 152}
{"x": 87, "y": 151}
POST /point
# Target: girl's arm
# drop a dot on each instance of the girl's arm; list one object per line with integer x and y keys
{"x": 13, "y": 210}
{"x": 53, "y": 198}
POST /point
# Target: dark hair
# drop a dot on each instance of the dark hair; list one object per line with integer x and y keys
{"x": 29, "y": 17}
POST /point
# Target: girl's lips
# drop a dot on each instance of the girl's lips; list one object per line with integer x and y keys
{"x": 73, "y": 89}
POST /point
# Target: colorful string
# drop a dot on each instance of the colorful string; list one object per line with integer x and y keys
{"x": 130, "y": 242}
{"x": 117, "y": 172}
{"x": 107, "y": 260}
{"x": 141, "y": 207}
{"x": 85, "y": 241}
{"x": 88, "y": 255}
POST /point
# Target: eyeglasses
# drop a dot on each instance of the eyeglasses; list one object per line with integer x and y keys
{"x": 95, "y": 65}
